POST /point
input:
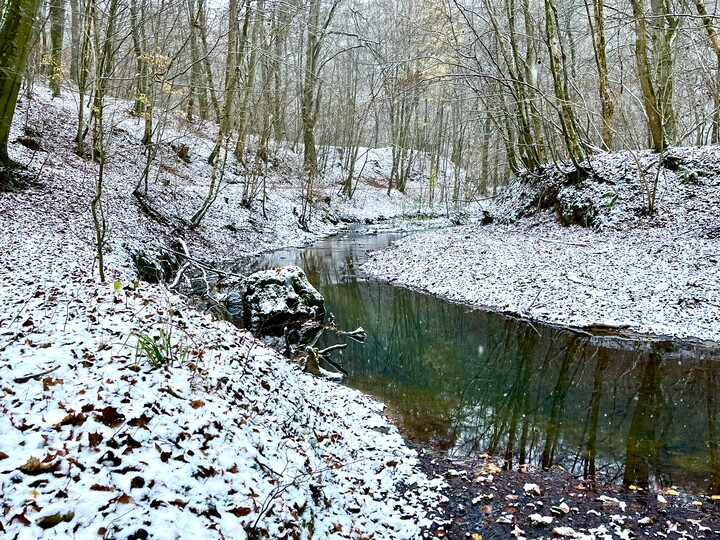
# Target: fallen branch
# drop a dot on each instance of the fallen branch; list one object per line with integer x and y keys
{"x": 577, "y": 244}
{"x": 332, "y": 348}
{"x": 22, "y": 380}
{"x": 359, "y": 334}
{"x": 147, "y": 208}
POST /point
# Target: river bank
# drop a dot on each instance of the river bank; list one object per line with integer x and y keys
{"x": 488, "y": 501}
{"x": 653, "y": 274}
{"x": 225, "y": 438}
{"x": 209, "y": 435}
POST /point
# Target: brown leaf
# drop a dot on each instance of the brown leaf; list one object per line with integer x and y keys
{"x": 124, "y": 499}
{"x": 131, "y": 443}
{"x": 240, "y": 512}
{"x": 20, "y": 516}
{"x": 49, "y": 381}
{"x": 137, "y": 482}
{"x": 179, "y": 503}
{"x": 72, "y": 420}
{"x": 3, "y": 455}
{"x": 141, "y": 421}
{"x": 95, "y": 439}
{"x": 100, "y": 487}
{"x": 196, "y": 404}
{"x": 111, "y": 417}
{"x": 34, "y": 467}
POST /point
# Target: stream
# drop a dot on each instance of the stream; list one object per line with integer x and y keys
{"x": 643, "y": 413}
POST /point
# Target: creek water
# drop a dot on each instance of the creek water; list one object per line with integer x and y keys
{"x": 471, "y": 381}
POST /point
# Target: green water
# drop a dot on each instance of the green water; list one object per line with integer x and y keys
{"x": 643, "y": 413}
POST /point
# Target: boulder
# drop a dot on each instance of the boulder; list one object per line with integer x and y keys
{"x": 279, "y": 301}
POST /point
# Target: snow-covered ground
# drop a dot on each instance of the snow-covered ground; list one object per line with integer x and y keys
{"x": 654, "y": 274}
{"x": 229, "y": 439}
{"x": 176, "y": 188}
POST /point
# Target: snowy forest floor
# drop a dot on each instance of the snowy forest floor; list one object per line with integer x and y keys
{"x": 586, "y": 254}
{"x": 229, "y": 439}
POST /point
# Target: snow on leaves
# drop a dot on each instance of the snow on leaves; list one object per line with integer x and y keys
{"x": 262, "y": 450}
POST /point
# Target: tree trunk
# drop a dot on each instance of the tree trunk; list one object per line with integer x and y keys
{"x": 57, "y": 30}
{"x": 657, "y": 133}
{"x": 75, "y": 17}
{"x": 196, "y": 88}
{"x": 201, "y": 24}
{"x": 225, "y": 120}
{"x": 83, "y": 73}
{"x": 559, "y": 75}
{"x": 143, "y": 92}
{"x": 600, "y": 49}
{"x": 15, "y": 34}
{"x": 715, "y": 42}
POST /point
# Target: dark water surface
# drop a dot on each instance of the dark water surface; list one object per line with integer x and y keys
{"x": 643, "y": 413}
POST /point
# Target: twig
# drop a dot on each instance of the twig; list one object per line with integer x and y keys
{"x": 577, "y": 244}
{"x": 22, "y": 380}
{"x": 332, "y": 348}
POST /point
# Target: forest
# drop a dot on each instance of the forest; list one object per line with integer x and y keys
{"x": 500, "y": 218}
{"x": 496, "y": 88}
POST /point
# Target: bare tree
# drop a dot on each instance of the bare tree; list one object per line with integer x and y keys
{"x": 15, "y": 34}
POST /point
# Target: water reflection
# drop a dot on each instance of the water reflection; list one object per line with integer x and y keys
{"x": 641, "y": 413}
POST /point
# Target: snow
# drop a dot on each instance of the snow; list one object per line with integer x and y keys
{"x": 646, "y": 274}
{"x": 227, "y": 439}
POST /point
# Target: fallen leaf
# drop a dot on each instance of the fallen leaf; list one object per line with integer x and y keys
{"x": 34, "y": 467}
{"x": 3, "y": 455}
{"x": 111, "y": 417}
{"x": 48, "y": 522}
{"x": 124, "y": 499}
{"x": 49, "y": 381}
{"x": 196, "y": 404}
{"x": 100, "y": 487}
{"x": 141, "y": 421}
{"x": 95, "y": 439}
{"x": 240, "y": 512}
{"x": 20, "y": 516}
{"x": 672, "y": 492}
{"x": 72, "y": 420}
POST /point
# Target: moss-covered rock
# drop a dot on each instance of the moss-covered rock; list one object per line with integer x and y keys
{"x": 278, "y": 301}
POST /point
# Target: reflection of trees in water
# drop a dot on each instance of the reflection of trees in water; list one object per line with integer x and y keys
{"x": 590, "y": 454}
{"x": 483, "y": 382}
{"x": 643, "y": 437}
{"x": 561, "y": 399}
{"x": 713, "y": 440}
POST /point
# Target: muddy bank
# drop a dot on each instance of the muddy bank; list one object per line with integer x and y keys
{"x": 486, "y": 500}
